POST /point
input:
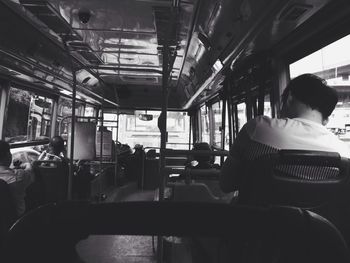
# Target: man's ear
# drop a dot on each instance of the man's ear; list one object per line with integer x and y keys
{"x": 325, "y": 121}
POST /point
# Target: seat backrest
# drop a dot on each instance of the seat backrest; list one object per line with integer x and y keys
{"x": 7, "y": 209}
{"x": 209, "y": 177}
{"x": 248, "y": 234}
{"x": 301, "y": 178}
{"x": 194, "y": 192}
{"x": 53, "y": 176}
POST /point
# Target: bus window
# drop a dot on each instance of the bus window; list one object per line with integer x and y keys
{"x": 90, "y": 111}
{"x": 28, "y": 116}
{"x": 331, "y": 63}
{"x": 133, "y": 130}
{"x": 64, "y": 110}
{"x": 242, "y": 116}
{"x": 178, "y": 130}
{"x": 267, "y": 106}
{"x": 204, "y": 124}
{"x": 217, "y": 111}
{"x": 110, "y": 121}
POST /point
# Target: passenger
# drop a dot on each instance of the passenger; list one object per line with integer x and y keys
{"x": 203, "y": 161}
{"x": 18, "y": 179}
{"x": 307, "y": 102}
{"x": 55, "y": 152}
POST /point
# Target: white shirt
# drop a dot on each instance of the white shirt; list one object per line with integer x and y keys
{"x": 297, "y": 133}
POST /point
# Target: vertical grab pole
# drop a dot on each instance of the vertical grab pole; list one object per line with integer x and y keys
{"x": 74, "y": 95}
{"x": 116, "y": 154}
{"x": 101, "y": 134}
{"x": 229, "y": 109}
{"x": 71, "y": 162}
{"x": 223, "y": 127}
{"x": 163, "y": 139}
{"x": 190, "y": 139}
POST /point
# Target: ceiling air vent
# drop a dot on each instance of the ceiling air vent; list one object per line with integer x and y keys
{"x": 294, "y": 12}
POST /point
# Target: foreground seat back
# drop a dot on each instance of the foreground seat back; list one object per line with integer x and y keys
{"x": 307, "y": 179}
{"x": 313, "y": 180}
{"x": 245, "y": 234}
{"x": 194, "y": 192}
{"x": 210, "y": 177}
{"x": 7, "y": 210}
{"x": 53, "y": 179}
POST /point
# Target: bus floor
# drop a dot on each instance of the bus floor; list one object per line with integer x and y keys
{"x": 115, "y": 249}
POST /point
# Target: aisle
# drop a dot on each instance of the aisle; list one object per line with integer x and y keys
{"x": 118, "y": 249}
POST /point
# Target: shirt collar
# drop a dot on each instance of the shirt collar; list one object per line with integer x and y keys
{"x": 310, "y": 122}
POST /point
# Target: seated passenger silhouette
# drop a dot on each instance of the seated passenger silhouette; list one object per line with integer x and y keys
{"x": 37, "y": 194}
{"x": 307, "y": 102}
{"x": 203, "y": 161}
{"x": 55, "y": 152}
{"x": 18, "y": 178}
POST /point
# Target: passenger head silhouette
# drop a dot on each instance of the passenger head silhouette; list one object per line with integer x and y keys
{"x": 308, "y": 95}
{"x": 56, "y": 145}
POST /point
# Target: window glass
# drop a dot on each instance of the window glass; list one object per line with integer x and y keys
{"x": 217, "y": 112}
{"x": 242, "y": 115}
{"x": 110, "y": 121}
{"x": 133, "y": 129}
{"x": 178, "y": 126}
{"x": 90, "y": 111}
{"x": 63, "y": 113}
{"x": 331, "y": 63}
{"x": 267, "y": 106}
{"x": 28, "y": 116}
{"x": 205, "y": 124}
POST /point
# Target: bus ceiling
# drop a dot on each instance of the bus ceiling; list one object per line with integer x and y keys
{"x": 117, "y": 48}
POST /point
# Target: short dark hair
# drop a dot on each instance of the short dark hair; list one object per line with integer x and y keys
{"x": 57, "y": 143}
{"x": 202, "y": 146}
{"x": 4, "y": 150}
{"x": 314, "y": 92}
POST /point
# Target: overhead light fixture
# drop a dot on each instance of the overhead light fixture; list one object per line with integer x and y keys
{"x": 66, "y": 92}
{"x": 217, "y": 66}
{"x": 204, "y": 40}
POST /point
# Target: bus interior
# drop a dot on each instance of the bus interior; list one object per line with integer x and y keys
{"x": 138, "y": 89}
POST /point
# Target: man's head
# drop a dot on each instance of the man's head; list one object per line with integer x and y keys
{"x": 202, "y": 146}
{"x": 308, "y": 95}
{"x": 5, "y": 154}
{"x": 56, "y": 145}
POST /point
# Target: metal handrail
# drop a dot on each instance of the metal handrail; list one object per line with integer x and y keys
{"x": 171, "y": 153}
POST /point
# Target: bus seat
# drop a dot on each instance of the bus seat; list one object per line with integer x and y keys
{"x": 300, "y": 178}
{"x": 7, "y": 210}
{"x": 194, "y": 192}
{"x": 151, "y": 174}
{"x": 151, "y": 154}
{"x": 204, "y": 174}
{"x": 53, "y": 177}
{"x": 209, "y": 177}
{"x": 246, "y": 233}
{"x": 312, "y": 180}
